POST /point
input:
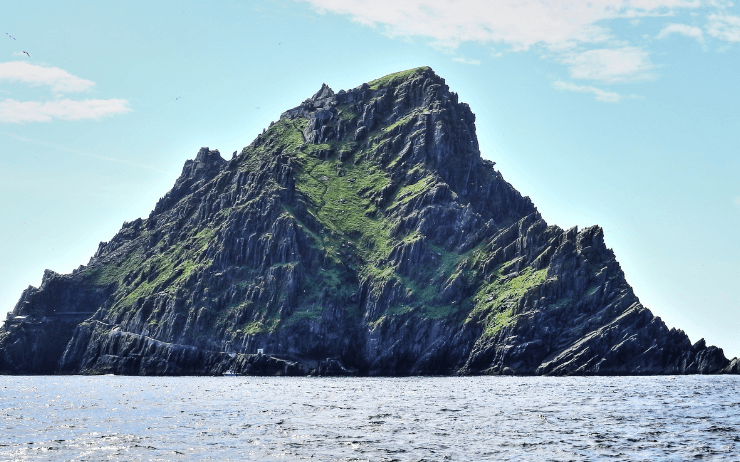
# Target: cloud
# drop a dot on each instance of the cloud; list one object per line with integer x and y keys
{"x": 579, "y": 34}
{"x": 610, "y": 64}
{"x": 475, "y": 62}
{"x": 12, "y": 111}
{"x": 737, "y": 201}
{"x": 682, "y": 29}
{"x": 724, "y": 27}
{"x": 601, "y": 95}
{"x": 59, "y": 80}
{"x": 519, "y": 23}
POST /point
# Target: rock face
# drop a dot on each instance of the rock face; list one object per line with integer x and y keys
{"x": 361, "y": 234}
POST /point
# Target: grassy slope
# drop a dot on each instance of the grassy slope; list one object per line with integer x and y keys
{"x": 342, "y": 195}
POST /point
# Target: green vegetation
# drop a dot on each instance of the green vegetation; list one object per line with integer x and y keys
{"x": 563, "y": 303}
{"x": 345, "y": 113}
{"x": 344, "y": 196}
{"x": 162, "y": 275}
{"x": 312, "y": 313}
{"x": 114, "y": 272}
{"x": 386, "y": 134}
{"x": 348, "y": 191}
{"x": 497, "y": 321}
{"x": 494, "y": 301}
{"x": 399, "y": 309}
{"x": 394, "y": 79}
{"x": 305, "y": 246}
{"x": 259, "y": 327}
{"x": 166, "y": 269}
{"x": 441, "y": 311}
{"x": 406, "y": 193}
{"x": 284, "y": 133}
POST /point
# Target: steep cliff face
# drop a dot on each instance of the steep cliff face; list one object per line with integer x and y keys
{"x": 362, "y": 233}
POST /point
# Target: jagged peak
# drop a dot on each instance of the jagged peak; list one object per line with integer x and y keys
{"x": 324, "y": 92}
{"x": 207, "y": 164}
{"x": 206, "y": 161}
{"x": 374, "y": 210}
{"x": 206, "y": 155}
{"x": 325, "y": 98}
{"x": 48, "y": 274}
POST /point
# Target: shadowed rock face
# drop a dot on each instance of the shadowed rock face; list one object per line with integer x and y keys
{"x": 361, "y": 234}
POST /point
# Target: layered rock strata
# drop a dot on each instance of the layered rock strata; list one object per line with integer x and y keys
{"x": 360, "y": 234}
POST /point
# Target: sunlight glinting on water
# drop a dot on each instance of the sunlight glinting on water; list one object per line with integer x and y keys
{"x": 465, "y": 418}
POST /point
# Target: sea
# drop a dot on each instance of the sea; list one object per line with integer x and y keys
{"x": 71, "y": 418}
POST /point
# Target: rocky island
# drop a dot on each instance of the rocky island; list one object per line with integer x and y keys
{"x": 360, "y": 234}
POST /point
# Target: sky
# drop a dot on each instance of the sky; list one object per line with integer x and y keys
{"x": 619, "y": 113}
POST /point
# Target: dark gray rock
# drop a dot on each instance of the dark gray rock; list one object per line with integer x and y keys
{"x": 361, "y": 234}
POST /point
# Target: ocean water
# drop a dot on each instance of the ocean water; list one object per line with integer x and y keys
{"x": 373, "y": 419}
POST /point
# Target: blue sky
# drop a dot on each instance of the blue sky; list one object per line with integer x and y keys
{"x": 622, "y": 114}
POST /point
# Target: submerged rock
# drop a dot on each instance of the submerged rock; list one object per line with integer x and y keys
{"x": 360, "y": 234}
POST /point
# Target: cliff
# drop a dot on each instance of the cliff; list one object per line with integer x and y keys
{"x": 360, "y": 234}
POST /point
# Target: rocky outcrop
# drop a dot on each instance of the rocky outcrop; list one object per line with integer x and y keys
{"x": 360, "y": 234}
{"x": 732, "y": 368}
{"x": 36, "y": 334}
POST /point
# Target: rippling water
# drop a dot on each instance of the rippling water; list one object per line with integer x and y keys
{"x": 471, "y": 418}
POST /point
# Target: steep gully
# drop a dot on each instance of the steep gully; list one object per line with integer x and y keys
{"x": 361, "y": 234}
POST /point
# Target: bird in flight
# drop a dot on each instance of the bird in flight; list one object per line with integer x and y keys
{"x": 10, "y": 36}
{"x": 26, "y": 53}
{"x": 178, "y": 98}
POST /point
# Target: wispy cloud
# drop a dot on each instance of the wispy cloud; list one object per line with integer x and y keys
{"x": 601, "y": 95}
{"x": 518, "y": 23}
{"x": 575, "y": 33}
{"x": 681, "y": 29}
{"x": 610, "y": 64}
{"x": 59, "y": 80}
{"x": 724, "y": 27}
{"x": 12, "y": 111}
{"x": 81, "y": 153}
{"x": 475, "y": 62}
